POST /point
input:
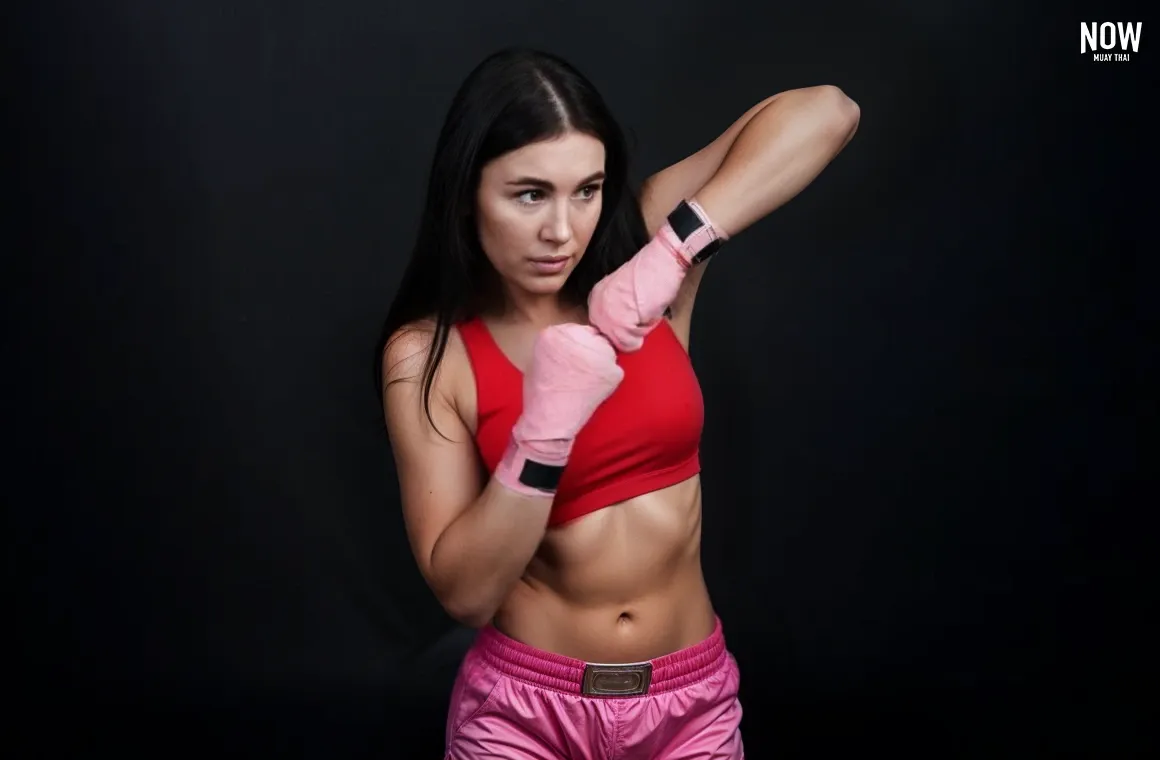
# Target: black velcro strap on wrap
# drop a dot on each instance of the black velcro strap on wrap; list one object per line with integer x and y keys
{"x": 707, "y": 251}
{"x": 685, "y": 222}
{"x": 546, "y": 477}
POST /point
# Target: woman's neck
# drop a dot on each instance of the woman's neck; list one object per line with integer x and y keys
{"x": 539, "y": 312}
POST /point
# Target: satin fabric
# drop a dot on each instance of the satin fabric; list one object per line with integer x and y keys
{"x": 512, "y": 702}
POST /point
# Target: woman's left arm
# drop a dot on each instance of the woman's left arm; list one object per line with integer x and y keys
{"x": 763, "y": 160}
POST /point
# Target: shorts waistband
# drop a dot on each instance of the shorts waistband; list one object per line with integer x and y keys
{"x": 566, "y": 674}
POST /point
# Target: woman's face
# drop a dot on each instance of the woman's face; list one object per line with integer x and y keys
{"x": 537, "y": 208}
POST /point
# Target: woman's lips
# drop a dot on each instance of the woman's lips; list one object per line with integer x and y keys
{"x": 550, "y": 264}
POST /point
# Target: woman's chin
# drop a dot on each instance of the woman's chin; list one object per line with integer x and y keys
{"x": 545, "y": 286}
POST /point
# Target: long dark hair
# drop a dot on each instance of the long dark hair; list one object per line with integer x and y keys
{"x": 514, "y": 97}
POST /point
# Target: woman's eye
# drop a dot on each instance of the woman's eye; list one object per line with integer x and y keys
{"x": 534, "y": 196}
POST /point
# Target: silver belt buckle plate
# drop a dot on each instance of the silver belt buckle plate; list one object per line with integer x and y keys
{"x": 627, "y": 680}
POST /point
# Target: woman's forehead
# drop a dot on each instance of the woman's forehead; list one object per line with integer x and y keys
{"x": 563, "y": 160}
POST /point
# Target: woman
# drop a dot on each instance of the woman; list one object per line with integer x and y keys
{"x": 545, "y": 418}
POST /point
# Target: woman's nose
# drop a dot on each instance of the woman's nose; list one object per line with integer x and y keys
{"x": 558, "y": 227}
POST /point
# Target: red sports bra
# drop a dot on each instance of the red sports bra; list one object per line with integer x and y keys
{"x": 644, "y": 437}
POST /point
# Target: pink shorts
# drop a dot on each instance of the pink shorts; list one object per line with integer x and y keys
{"x": 515, "y": 702}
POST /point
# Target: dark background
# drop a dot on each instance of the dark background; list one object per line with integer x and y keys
{"x": 924, "y": 377}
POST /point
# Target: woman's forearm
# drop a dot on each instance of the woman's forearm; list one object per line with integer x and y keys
{"x": 485, "y": 551}
{"x": 780, "y": 151}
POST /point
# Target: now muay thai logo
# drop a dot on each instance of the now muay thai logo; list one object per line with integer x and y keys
{"x": 1099, "y": 38}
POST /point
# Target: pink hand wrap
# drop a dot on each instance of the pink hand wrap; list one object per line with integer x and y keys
{"x": 573, "y": 370}
{"x": 629, "y": 303}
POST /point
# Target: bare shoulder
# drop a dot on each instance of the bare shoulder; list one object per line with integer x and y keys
{"x": 435, "y": 456}
{"x": 406, "y": 352}
{"x": 405, "y": 360}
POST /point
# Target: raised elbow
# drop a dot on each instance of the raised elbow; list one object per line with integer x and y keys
{"x": 838, "y": 109}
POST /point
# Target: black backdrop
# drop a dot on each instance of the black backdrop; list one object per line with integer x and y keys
{"x": 923, "y": 376}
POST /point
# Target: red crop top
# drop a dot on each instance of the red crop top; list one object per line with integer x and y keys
{"x": 644, "y": 437}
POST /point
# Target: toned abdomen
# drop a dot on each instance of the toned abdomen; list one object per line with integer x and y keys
{"x": 622, "y": 584}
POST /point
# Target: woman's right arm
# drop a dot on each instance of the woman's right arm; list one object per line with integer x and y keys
{"x": 472, "y": 540}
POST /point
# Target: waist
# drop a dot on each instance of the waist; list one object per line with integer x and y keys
{"x": 636, "y": 630}
{"x": 645, "y": 548}
{"x": 623, "y": 582}
{"x": 571, "y": 675}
